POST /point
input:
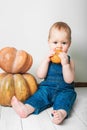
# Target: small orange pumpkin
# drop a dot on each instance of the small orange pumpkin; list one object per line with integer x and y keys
{"x": 20, "y": 85}
{"x": 15, "y": 61}
{"x": 55, "y": 58}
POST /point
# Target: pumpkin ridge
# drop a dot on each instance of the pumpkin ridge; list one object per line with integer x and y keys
{"x": 31, "y": 81}
{"x": 6, "y": 91}
{"x": 19, "y": 61}
{"x": 29, "y": 62}
{"x": 7, "y": 56}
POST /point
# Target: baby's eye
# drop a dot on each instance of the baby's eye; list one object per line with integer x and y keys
{"x": 64, "y": 43}
{"x": 55, "y": 42}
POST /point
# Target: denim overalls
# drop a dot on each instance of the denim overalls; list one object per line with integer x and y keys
{"x": 53, "y": 91}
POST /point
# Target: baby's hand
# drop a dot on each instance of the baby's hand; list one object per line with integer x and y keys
{"x": 50, "y": 54}
{"x": 47, "y": 58}
{"x": 64, "y": 58}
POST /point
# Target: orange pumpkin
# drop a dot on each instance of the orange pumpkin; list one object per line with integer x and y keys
{"x": 15, "y": 61}
{"x": 55, "y": 58}
{"x": 20, "y": 85}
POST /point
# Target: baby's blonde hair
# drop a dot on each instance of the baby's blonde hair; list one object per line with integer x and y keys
{"x": 61, "y": 26}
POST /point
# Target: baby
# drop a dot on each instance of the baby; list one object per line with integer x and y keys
{"x": 57, "y": 87}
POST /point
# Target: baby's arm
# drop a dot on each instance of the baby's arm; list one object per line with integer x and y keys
{"x": 69, "y": 72}
{"x": 68, "y": 68}
{"x": 43, "y": 68}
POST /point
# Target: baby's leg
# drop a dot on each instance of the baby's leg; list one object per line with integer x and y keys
{"x": 58, "y": 116}
{"x": 23, "y": 110}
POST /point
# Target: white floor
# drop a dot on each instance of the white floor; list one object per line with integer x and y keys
{"x": 9, "y": 120}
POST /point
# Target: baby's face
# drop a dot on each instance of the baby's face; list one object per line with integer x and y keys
{"x": 59, "y": 40}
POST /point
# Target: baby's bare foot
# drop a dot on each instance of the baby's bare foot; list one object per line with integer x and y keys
{"x": 21, "y": 109}
{"x": 58, "y": 116}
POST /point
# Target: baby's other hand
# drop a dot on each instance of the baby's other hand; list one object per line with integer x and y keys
{"x": 64, "y": 58}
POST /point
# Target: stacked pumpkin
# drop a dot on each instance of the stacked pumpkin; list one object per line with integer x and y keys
{"x": 15, "y": 80}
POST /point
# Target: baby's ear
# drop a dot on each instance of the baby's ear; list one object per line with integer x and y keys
{"x": 48, "y": 41}
{"x": 69, "y": 43}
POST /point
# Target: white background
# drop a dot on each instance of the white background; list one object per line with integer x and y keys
{"x": 24, "y": 24}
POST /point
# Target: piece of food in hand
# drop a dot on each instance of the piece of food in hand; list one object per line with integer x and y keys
{"x": 55, "y": 58}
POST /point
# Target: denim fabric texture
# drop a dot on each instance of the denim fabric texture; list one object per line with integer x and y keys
{"x": 53, "y": 91}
